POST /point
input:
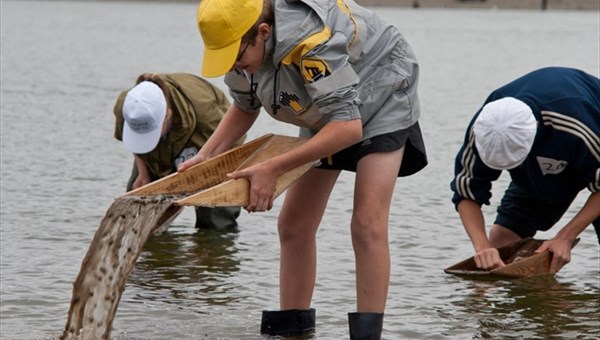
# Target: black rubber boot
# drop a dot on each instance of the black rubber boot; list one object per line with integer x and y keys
{"x": 365, "y": 326}
{"x": 291, "y": 322}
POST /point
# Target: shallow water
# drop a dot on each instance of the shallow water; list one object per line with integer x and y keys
{"x": 111, "y": 257}
{"x": 63, "y": 65}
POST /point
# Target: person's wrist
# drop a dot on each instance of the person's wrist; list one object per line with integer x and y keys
{"x": 566, "y": 237}
{"x": 481, "y": 246}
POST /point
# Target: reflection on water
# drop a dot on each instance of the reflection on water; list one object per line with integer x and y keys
{"x": 533, "y": 308}
{"x": 188, "y": 269}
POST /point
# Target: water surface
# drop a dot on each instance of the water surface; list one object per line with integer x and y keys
{"x": 63, "y": 65}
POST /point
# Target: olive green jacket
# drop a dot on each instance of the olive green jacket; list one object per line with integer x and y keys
{"x": 197, "y": 106}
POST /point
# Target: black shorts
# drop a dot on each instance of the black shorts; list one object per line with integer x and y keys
{"x": 411, "y": 138}
{"x": 525, "y": 215}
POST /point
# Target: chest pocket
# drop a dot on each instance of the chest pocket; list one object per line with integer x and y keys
{"x": 285, "y": 98}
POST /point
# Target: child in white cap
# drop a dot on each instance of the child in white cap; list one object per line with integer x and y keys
{"x": 349, "y": 80}
{"x": 544, "y": 129}
{"x": 164, "y": 120}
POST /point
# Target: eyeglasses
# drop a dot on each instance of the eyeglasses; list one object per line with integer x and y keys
{"x": 239, "y": 58}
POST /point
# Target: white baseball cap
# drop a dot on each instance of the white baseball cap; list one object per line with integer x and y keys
{"x": 504, "y": 133}
{"x": 144, "y": 111}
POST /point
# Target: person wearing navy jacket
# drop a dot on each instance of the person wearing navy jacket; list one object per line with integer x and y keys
{"x": 543, "y": 128}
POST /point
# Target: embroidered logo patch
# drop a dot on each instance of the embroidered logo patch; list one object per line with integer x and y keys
{"x": 290, "y": 100}
{"x": 551, "y": 166}
{"x": 314, "y": 69}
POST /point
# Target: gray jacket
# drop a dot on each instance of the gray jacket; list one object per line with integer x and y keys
{"x": 332, "y": 60}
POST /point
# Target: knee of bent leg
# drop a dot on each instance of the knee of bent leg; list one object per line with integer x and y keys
{"x": 296, "y": 227}
{"x": 368, "y": 230}
{"x": 501, "y": 236}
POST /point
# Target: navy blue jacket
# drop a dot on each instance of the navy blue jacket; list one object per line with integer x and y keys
{"x": 565, "y": 157}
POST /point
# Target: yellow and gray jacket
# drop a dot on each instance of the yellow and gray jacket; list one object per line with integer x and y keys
{"x": 197, "y": 107}
{"x": 332, "y": 60}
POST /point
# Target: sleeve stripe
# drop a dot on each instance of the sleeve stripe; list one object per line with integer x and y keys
{"x": 294, "y": 56}
{"x": 574, "y": 127}
{"x": 348, "y": 11}
{"x": 463, "y": 179}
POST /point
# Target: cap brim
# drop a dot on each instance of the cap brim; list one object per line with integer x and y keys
{"x": 140, "y": 143}
{"x": 219, "y": 61}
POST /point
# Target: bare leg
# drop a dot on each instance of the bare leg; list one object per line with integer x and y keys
{"x": 375, "y": 180}
{"x": 304, "y": 205}
{"x": 501, "y": 236}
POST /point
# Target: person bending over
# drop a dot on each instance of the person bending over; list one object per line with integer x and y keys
{"x": 543, "y": 128}
{"x": 164, "y": 120}
{"x": 349, "y": 81}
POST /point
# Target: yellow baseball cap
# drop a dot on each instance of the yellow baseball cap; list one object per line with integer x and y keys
{"x": 222, "y": 25}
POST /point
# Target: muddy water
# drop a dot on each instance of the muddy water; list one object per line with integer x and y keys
{"x": 109, "y": 260}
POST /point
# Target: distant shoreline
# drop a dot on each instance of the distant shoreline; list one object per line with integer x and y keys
{"x": 580, "y": 5}
{"x": 505, "y": 4}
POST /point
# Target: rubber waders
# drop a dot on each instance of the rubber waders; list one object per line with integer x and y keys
{"x": 291, "y": 322}
{"x": 365, "y": 326}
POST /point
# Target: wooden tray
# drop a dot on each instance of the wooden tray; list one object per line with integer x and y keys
{"x": 520, "y": 259}
{"x": 205, "y": 184}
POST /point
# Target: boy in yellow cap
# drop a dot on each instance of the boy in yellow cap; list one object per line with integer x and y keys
{"x": 349, "y": 81}
{"x": 164, "y": 120}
